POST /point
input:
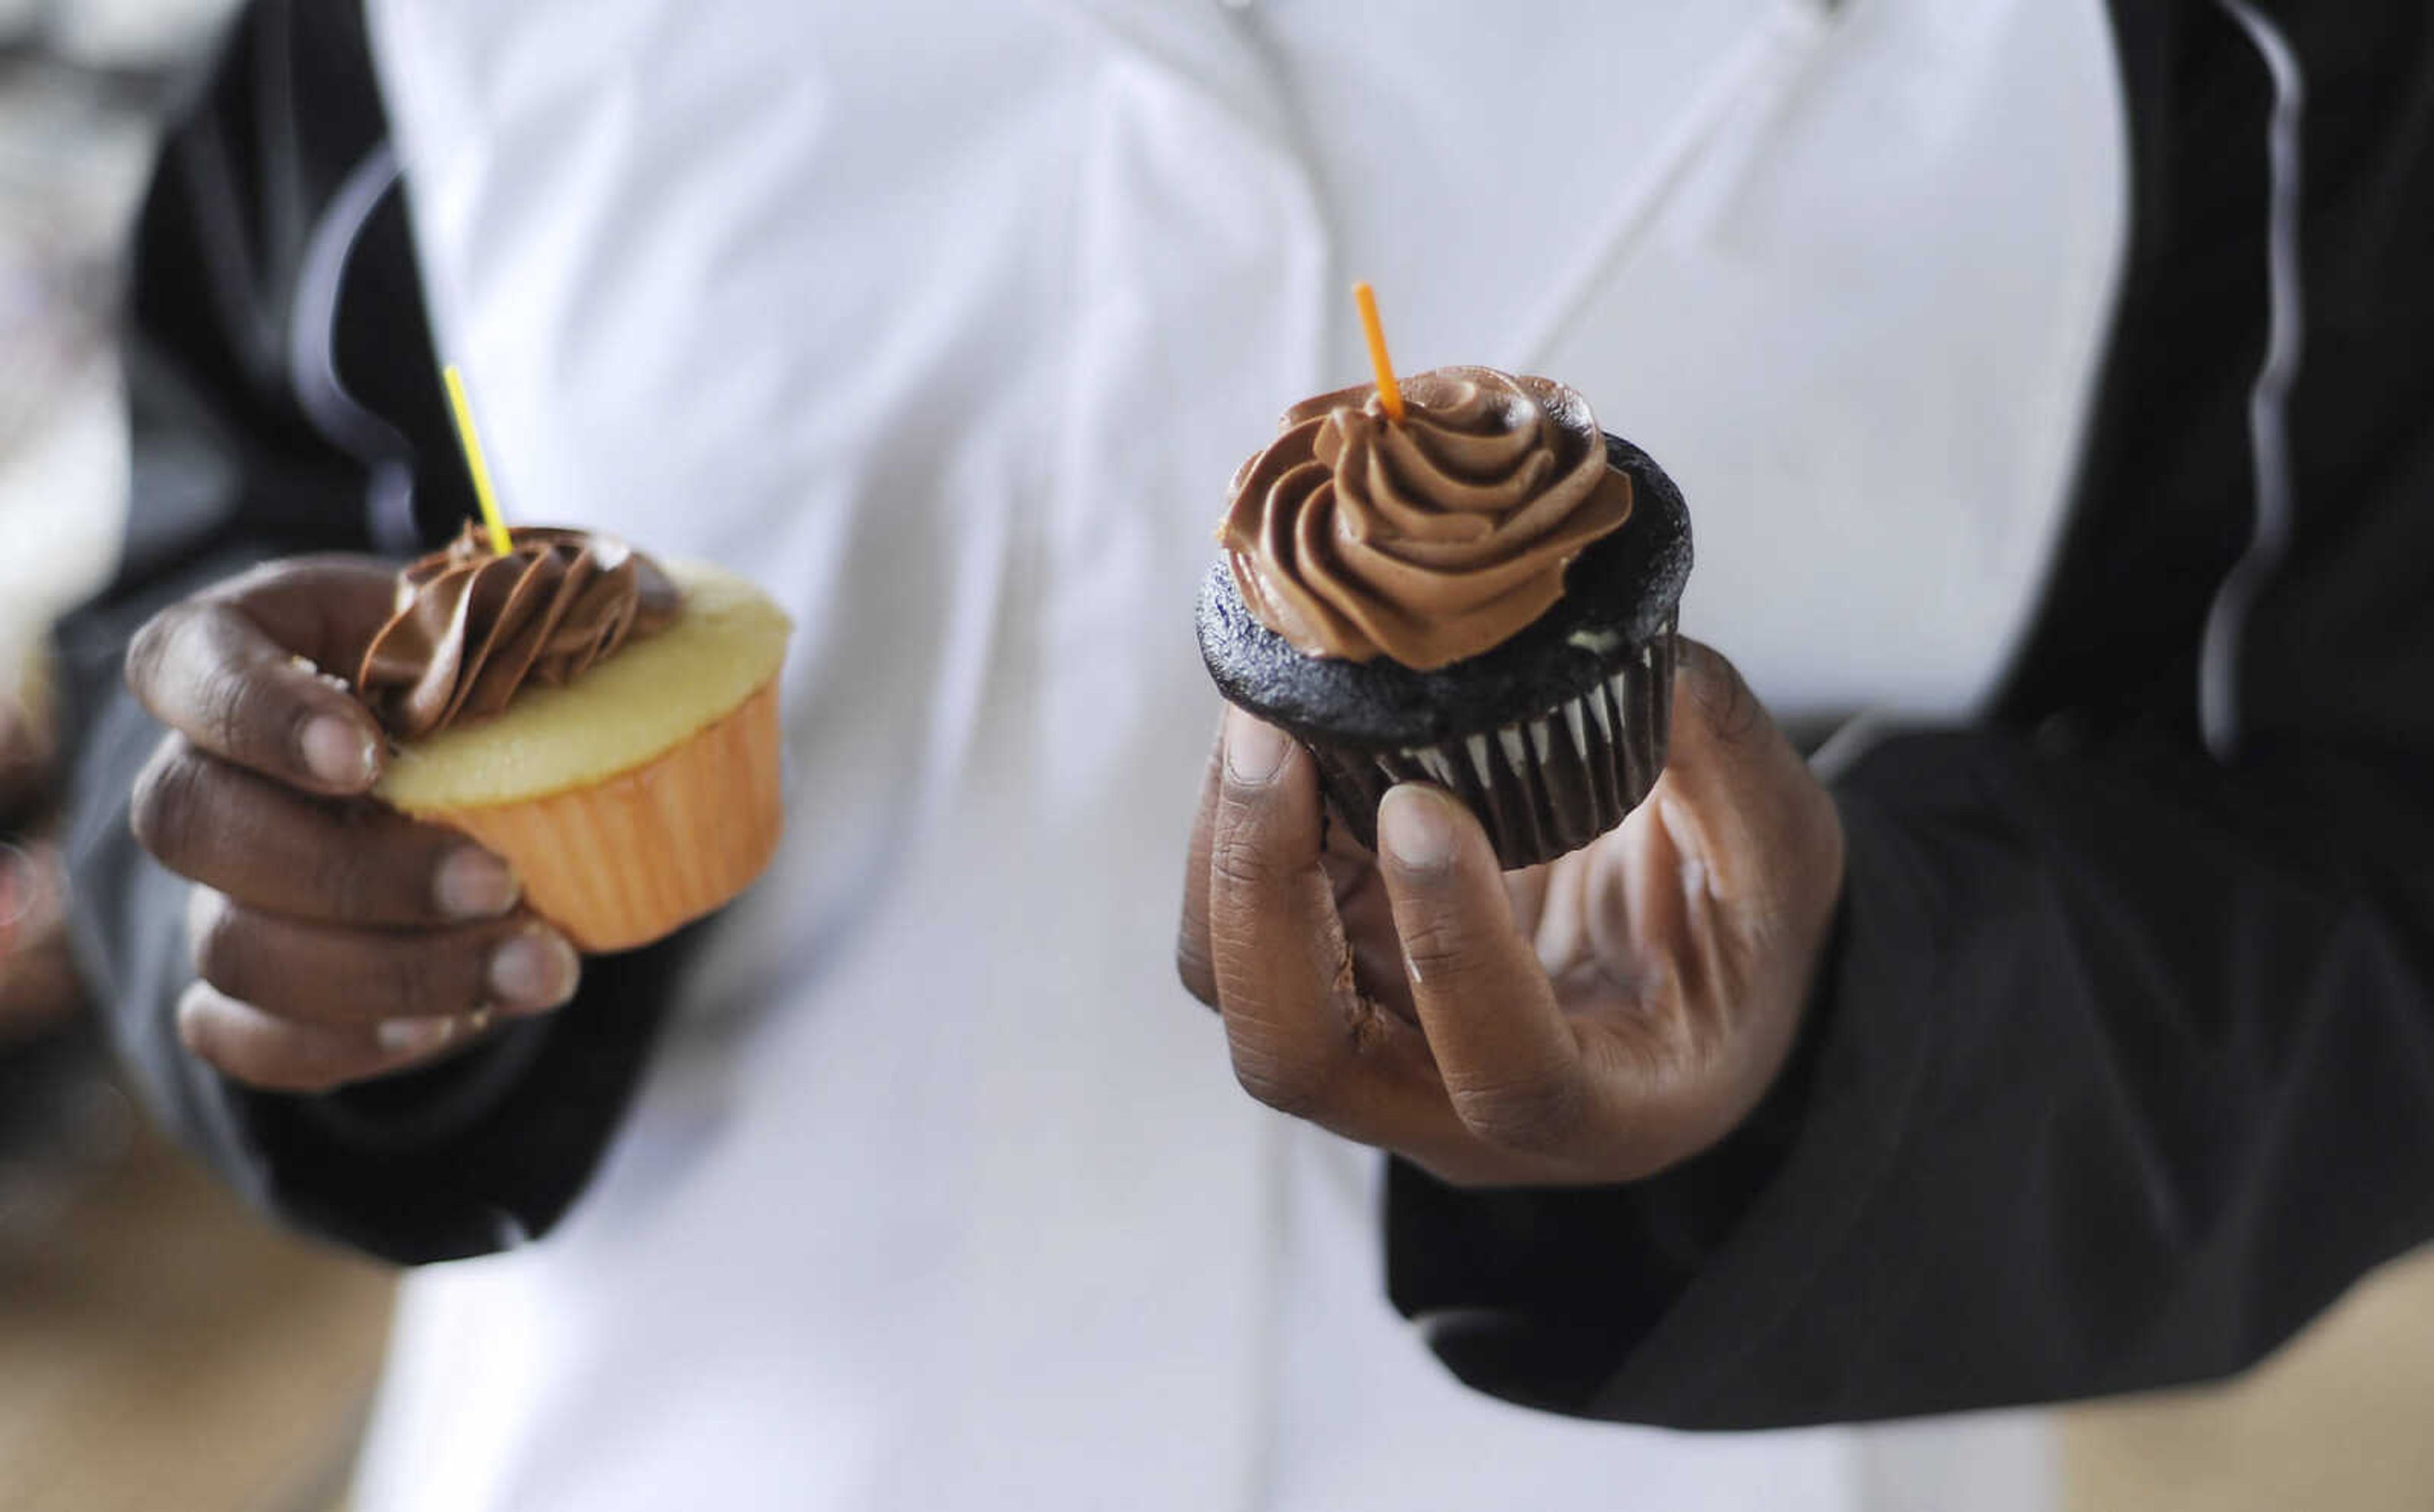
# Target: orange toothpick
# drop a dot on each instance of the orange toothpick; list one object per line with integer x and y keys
{"x": 1390, "y": 394}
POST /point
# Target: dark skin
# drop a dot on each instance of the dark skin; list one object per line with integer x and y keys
{"x": 1593, "y": 1020}
{"x": 39, "y": 990}
{"x": 334, "y": 939}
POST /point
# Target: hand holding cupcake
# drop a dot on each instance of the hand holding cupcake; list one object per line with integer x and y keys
{"x": 1481, "y": 595}
{"x": 405, "y": 801}
{"x": 1570, "y": 912}
{"x": 1590, "y": 1021}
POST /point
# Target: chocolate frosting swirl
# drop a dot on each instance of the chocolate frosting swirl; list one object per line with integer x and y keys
{"x": 472, "y": 627}
{"x": 1426, "y": 541}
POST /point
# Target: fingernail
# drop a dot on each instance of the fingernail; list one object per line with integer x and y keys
{"x": 1415, "y": 828}
{"x": 337, "y": 753}
{"x": 474, "y": 884}
{"x": 1255, "y": 753}
{"x": 533, "y": 971}
{"x": 415, "y": 1036}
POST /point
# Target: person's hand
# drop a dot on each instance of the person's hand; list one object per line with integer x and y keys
{"x": 28, "y": 762}
{"x": 39, "y": 988}
{"x": 1592, "y": 1020}
{"x": 335, "y": 940}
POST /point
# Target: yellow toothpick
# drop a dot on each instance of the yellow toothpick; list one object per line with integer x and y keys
{"x": 1390, "y": 394}
{"x": 491, "y": 519}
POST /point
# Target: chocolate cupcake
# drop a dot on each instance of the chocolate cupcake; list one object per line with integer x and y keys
{"x": 1482, "y": 596}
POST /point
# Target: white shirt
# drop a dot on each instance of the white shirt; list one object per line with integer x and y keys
{"x": 947, "y": 324}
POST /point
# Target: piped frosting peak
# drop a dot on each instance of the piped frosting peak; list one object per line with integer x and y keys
{"x": 472, "y": 627}
{"x": 1428, "y": 541}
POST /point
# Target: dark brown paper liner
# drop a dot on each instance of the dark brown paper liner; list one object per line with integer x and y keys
{"x": 1541, "y": 785}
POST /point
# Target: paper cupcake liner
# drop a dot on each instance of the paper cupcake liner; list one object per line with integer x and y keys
{"x": 1541, "y": 785}
{"x": 625, "y": 861}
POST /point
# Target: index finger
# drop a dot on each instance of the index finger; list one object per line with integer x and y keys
{"x": 1304, "y": 1036}
{"x": 236, "y": 670}
{"x": 1193, "y": 960}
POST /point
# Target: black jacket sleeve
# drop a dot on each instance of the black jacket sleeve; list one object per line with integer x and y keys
{"x": 2123, "y": 1064}
{"x": 284, "y": 397}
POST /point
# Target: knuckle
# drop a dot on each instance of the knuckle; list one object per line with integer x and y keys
{"x": 205, "y": 1029}
{"x": 1733, "y": 712}
{"x": 1237, "y": 862}
{"x": 214, "y": 945}
{"x": 204, "y": 1039}
{"x": 345, "y": 876}
{"x": 148, "y": 651}
{"x": 1293, "y": 1086}
{"x": 1439, "y": 950}
{"x": 194, "y": 1020}
{"x": 1540, "y": 1114}
{"x": 250, "y": 713}
{"x": 1198, "y": 971}
{"x": 406, "y": 982}
{"x": 168, "y": 797}
{"x": 272, "y": 1058}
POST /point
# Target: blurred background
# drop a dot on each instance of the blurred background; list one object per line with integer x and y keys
{"x": 163, "y": 1348}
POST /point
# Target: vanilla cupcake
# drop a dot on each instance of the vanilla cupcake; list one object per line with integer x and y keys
{"x": 608, "y": 727}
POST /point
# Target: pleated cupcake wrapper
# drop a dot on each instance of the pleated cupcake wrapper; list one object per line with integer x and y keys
{"x": 625, "y": 861}
{"x": 1541, "y": 785}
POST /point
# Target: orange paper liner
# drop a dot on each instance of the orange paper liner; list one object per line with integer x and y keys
{"x": 625, "y": 861}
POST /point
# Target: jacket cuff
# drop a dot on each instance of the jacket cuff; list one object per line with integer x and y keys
{"x": 481, "y": 1153}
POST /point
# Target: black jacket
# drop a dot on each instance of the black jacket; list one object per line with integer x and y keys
{"x": 2123, "y": 1066}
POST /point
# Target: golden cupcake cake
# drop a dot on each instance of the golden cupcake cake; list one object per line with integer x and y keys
{"x": 606, "y": 725}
